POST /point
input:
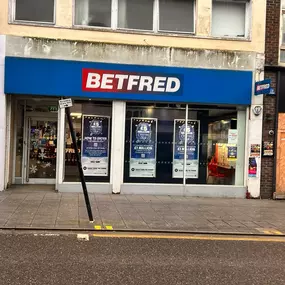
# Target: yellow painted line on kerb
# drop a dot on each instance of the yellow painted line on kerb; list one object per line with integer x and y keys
{"x": 97, "y": 227}
{"x": 110, "y": 228}
{"x": 272, "y": 232}
{"x": 191, "y": 237}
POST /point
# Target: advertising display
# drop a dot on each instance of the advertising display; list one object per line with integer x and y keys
{"x": 95, "y": 145}
{"x": 252, "y": 167}
{"x": 192, "y": 153}
{"x": 143, "y": 147}
{"x": 232, "y": 152}
{"x": 267, "y": 148}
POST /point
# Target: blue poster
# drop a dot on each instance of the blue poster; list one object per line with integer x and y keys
{"x": 95, "y": 145}
{"x": 232, "y": 152}
{"x": 143, "y": 147}
{"x": 192, "y": 154}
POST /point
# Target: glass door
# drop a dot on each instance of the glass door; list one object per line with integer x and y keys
{"x": 41, "y": 151}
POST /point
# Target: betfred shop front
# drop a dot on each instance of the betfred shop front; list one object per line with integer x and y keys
{"x": 140, "y": 129}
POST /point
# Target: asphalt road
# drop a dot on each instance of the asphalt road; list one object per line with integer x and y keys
{"x": 29, "y": 259}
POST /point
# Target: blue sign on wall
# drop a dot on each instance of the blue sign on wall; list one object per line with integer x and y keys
{"x": 262, "y": 87}
{"x": 126, "y": 82}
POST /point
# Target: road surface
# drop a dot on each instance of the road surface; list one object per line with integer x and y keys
{"x": 28, "y": 259}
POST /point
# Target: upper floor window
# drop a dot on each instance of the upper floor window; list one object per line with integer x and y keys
{"x": 282, "y": 51}
{"x": 146, "y": 15}
{"x": 34, "y": 10}
{"x": 229, "y": 18}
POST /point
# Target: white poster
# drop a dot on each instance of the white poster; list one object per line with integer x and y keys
{"x": 233, "y": 136}
{"x": 143, "y": 147}
{"x": 192, "y": 155}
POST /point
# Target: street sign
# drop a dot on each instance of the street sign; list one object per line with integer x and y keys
{"x": 65, "y": 103}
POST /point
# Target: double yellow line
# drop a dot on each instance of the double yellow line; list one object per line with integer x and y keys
{"x": 190, "y": 237}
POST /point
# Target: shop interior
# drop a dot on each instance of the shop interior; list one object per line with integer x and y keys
{"x": 217, "y": 142}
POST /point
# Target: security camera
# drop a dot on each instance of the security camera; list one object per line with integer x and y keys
{"x": 271, "y": 132}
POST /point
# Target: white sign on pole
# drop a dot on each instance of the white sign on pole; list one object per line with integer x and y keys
{"x": 65, "y": 103}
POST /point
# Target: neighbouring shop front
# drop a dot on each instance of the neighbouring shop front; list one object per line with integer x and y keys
{"x": 139, "y": 129}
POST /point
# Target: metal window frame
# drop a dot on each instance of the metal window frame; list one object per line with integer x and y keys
{"x": 12, "y": 15}
{"x": 115, "y": 17}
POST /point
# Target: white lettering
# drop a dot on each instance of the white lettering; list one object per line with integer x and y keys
{"x": 159, "y": 84}
{"x": 170, "y": 81}
{"x": 93, "y": 80}
{"x": 146, "y": 81}
{"x": 133, "y": 81}
{"x": 107, "y": 79}
{"x": 121, "y": 80}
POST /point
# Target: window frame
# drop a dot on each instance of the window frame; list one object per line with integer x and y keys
{"x": 179, "y": 32}
{"x": 115, "y": 17}
{"x": 282, "y": 30}
{"x": 12, "y": 8}
{"x": 247, "y": 23}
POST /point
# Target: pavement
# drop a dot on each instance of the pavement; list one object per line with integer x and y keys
{"x": 39, "y": 259}
{"x": 34, "y": 208}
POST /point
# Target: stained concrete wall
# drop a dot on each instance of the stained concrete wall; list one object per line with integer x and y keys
{"x": 126, "y": 54}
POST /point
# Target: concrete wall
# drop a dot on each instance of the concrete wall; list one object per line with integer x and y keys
{"x": 127, "y": 54}
{"x": 64, "y": 29}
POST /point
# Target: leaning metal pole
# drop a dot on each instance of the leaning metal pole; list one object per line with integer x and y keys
{"x": 79, "y": 165}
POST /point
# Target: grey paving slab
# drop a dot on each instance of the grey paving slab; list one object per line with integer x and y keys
{"x": 67, "y": 210}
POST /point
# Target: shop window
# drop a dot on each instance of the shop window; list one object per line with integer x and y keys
{"x": 19, "y": 126}
{"x": 92, "y": 125}
{"x": 155, "y": 145}
{"x": 135, "y": 14}
{"x": 176, "y": 16}
{"x": 34, "y": 10}
{"x": 229, "y": 18}
{"x": 96, "y": 13}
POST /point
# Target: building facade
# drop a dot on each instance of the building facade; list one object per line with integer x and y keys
{"x": 163, "y": 95}
{"x": 272, "y": 180}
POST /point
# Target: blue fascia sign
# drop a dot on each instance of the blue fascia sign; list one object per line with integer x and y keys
{"x": 112, "y": 81}
{"x": 262, "y": 87}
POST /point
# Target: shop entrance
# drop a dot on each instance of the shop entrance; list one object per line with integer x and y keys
{"x": 40, "y": 144}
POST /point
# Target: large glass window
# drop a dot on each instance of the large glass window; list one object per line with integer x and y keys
{"x": 135, "y": 14}
{"x": 34, "y": 10}
{"x": 155, "y": 144}
{"x": 229, "y": 18}
{"x": 19, "y": 125}
{"x": 92, "y": 125}
{"x": 144, "y": 15}
{"x": 282, "y": 52}
{"x": 176, "y": 16}
{"x": 95, "y": 13}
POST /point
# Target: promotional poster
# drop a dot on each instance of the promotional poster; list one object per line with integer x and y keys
{"x": 192, "y": 153}
{"x": 267, "y": 149}
{"x": 232, "y": 153}
{"x": 252, "y": 167}
{"x": 95, "y": 145}
{"x": 143, "y": 147}
{"x": 255, "y": 150}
